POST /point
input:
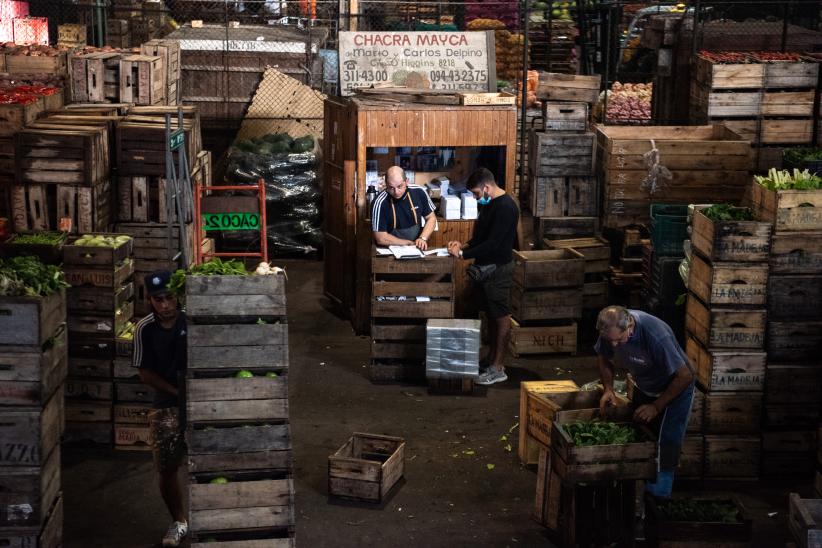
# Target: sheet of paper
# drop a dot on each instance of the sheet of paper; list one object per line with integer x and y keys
{"x": 421, "y": 299}
{"x": 405, "y": 251}
{"x": 384, "y": 251}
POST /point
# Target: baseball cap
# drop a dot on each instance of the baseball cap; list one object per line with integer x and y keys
{"x": 157, "y": 282}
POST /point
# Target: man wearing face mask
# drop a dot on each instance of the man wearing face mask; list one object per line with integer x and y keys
{"x": 398, "y": 212}
{"x": 491, "y": 246}
{"x": 646, "y": 346}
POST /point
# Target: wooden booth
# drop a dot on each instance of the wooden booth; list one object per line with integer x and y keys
{"x": 368, "y": 133}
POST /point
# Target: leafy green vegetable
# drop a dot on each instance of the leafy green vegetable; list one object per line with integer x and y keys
{"x": 26, "y": 275}
{"x": 39, "y": 238}
{"x": 597, "y": 432}
{"x": 785, "y": 180}
{"x": 215, "y": 267}
{"x": 799, "y": 155}
{"x": 727, "y": 212}
{"x": 686, "y": 509}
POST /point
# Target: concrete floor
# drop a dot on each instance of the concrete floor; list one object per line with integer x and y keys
{"x": 449, "y": 496}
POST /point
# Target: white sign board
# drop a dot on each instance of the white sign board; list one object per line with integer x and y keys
{"x": 458, "y": 61}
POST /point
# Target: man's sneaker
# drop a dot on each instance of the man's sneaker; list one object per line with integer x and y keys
{"x": 176, "y": 533}
{"x": 492, "y": 376}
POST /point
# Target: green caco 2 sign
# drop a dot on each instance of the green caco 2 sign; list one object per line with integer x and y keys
{"x": 231, "y": 221}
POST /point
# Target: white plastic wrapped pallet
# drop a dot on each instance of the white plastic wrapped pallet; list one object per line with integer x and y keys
{"x": 452, "y": 349}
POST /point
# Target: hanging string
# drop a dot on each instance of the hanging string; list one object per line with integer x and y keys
{"x": 656, "y": 171}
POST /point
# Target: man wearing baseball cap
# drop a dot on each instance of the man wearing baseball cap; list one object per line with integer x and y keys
{"x": 160, "y": 355}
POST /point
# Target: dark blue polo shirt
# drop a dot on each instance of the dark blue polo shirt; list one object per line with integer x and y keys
{"x": 388, "y": 214}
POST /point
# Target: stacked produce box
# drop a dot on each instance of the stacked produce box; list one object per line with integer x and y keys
{"x": 546, "y": 301}
{"x": 662, "y": 256}
{"x": 100, "y": 300}
{"x": 133, "y": 399}
{"x": 725, "y": 332}
{"x": 33, "y": 353}
{"x": 238, "y": 436}
{"x": 404, "y": 294}
{"x": 793, "y": 377}
{"x": 765, "y": 97}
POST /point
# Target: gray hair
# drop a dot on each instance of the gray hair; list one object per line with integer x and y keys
{"x": 614, "y": 316}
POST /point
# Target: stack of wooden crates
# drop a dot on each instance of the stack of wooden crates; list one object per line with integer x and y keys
{"x": 100, "y": 304}
{"x": 133, "y": 399}
{"x": 768, "y": 103}
{"x": 33, "y": 354}
{"x": 561, "y": 159}
{"x": 237, "y": 431}
{"x": 725, "y": 332}
{"x": 404, "y": 294}
{"x": 546, "y": 301}
{"x": 793, "y": 376}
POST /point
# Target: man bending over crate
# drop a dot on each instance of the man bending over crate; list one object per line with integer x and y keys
{"x": 160, "y": 354}
{"x": 491, "y": 246}
{"x": 646, "y": 346}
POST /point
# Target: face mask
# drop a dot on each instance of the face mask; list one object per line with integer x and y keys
{"x": 485, "y": 200}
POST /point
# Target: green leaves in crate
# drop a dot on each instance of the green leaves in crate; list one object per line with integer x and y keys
{"x": 586, "y": 433}
{"x": 704, "y": 510}
{"x": 785, "y": 180}
{"x": 214, "y": 267}
{"x": 727, "y": 212}
{"x": 26, "y": 275}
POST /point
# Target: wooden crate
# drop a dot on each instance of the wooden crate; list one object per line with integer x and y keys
{"x": 773, "y": 131}
{"x": 169, "y": 51}
{"x": 86, "y": 300}
{"x": 109, "y": 278}
{"x": 31, "y": 321}
{"x": 791, "y": 297}
{"x": 595, "y": 250}
{"x": 99, "y": 433}
{"x": 16, "y": 116}
{"x": 142, "y": 80}
{"x": 667, "y": 533}
{"x": 716, "y": 328}
{"x": 89, "y": 389}
{"x": 548, "y": 268}
{"x": 788, "y": 210}
{"x": 231, "y": 298}
{"x": 227, "y": 348}
{"x": 528, "y": 448}
{"x": 233, "y": 400}
{"x": 71, "y": 36}
{"x": 142, "y": 200}
{"x": 151, "y": 248}
{"x": 136, "y": 392}
{"x": 564, "y": 196}
{"x": 89, "y": 367}
{"x": 733, "y": 413}
{"x": 794, "y": 340}
{"x": 805, "y": 521}
{"x": 590, "y": 514}
{"x": 26, "y": 64}
{"x": 59, "y": 154}
{"x": 94, "y": 256}
{"x": 94, "y": 346}
{"x": 141, "y": 145}
{"x": 216, "y": 448}
{"x": 430, "y": 277}
{"x": 30, "y": 375}
{"x": 31, "y": 433}
{"x": 78, "y": 411}
{"x": 545, "y": 339}
{"x": 27, "y": 493}
{"x": 707, "y": 163}
{"x": 732, "y": 456}
{"x": 397, "y": 351}
{"x": 743, "y": 241}
{"x": 564, "y": 116}
{"x": 132, "y": 413}
{"x": 569, "y": 87}
{"x": 559, "y": 228}
{"x": 248, "y": 502}
{"x": 692, "y": 457}
{"x": 552, "y": 154}
{"x": 541, "y": 410}
{"x": 595, "y": 292}
{"x": 796, "y": 253}
{"x": 723, "y": 283}
{"x": 366, "y": 467}
{"x": 727, "y": 371}
{"x": 603, "y": 462}
{"x": 696, "y": 420}
{"x": 465, "y": 386}
{"x": 707, "y": 103}
{"x": 790, "y": 416}
{"x": 545, "y": 304}
{"x": 801, "y": 383}
{"x": 93, "y": 75}
{"x": 108, "y": 325}
{"x": 40, "y": 207}
{"x": 48, "y": 536}
{"x": 802, "y": 442}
